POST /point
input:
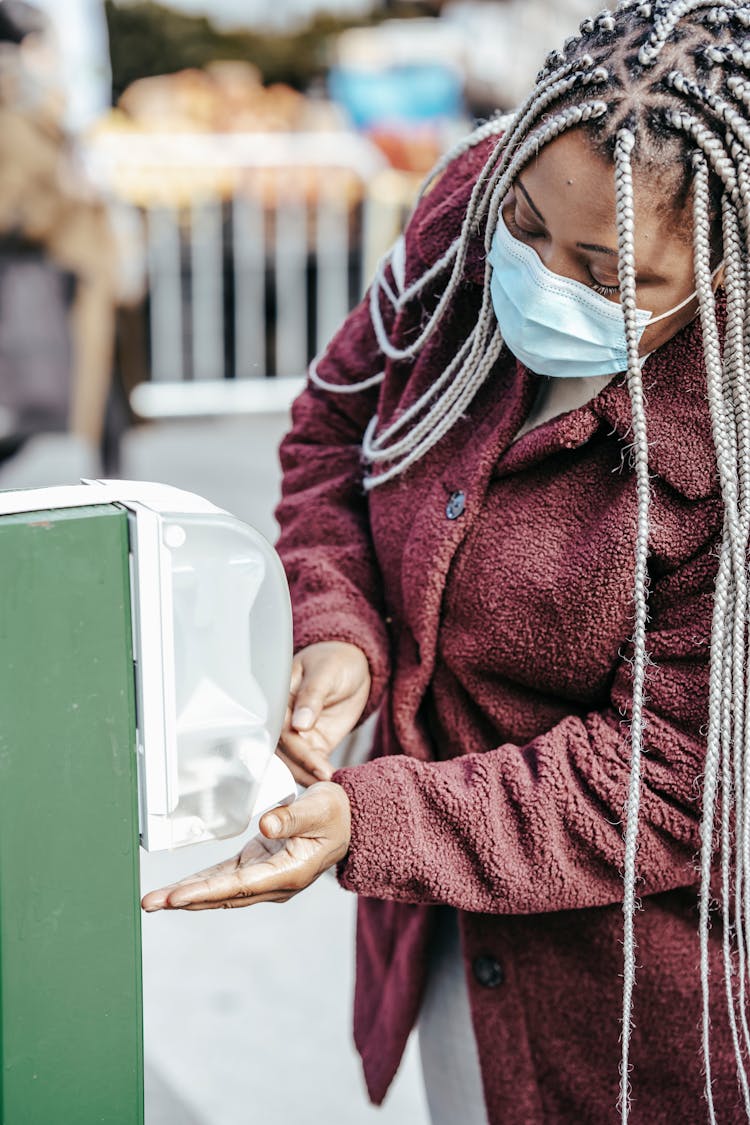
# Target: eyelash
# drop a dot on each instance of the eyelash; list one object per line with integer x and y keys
{"x": 605, "y": 290}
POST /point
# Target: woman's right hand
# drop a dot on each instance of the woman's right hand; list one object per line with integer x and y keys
{"x": 329, "y": 689}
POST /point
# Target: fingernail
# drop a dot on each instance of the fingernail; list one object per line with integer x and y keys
{"x": 303, "y": 718}
{"x": 272, "y": 825}
{"x": 322, "y": 773}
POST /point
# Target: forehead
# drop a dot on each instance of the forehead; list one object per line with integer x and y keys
{"x": 573, "y": 187}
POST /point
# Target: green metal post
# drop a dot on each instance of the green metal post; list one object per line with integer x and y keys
{"x": 71, "y": 1041}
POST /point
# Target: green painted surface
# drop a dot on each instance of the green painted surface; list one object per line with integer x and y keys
{"x": 70, "y": 957}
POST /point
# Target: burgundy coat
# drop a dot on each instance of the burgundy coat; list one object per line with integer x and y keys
{"x": 499, "y": 648}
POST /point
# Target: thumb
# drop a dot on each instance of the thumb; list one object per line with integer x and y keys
{"x": 283, "y": 823}
{"x": 304, "y": 817}
{"x": 308, "y": 704}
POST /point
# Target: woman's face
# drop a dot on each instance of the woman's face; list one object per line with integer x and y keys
{"x": 563, "y": 205}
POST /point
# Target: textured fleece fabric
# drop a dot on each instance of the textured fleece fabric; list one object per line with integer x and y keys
{"x": 500, "y": 656}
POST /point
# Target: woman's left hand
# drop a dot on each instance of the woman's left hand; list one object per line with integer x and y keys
{"x": 298, "y": 843}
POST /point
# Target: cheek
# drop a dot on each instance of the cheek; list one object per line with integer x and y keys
{"x": 654, "y": 337}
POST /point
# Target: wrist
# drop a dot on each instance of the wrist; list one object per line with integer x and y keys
{"x": 344, "y": 818}
{"x": 338, "y": 817}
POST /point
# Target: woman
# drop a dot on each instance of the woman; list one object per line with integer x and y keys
{"x": 473, "y": 490}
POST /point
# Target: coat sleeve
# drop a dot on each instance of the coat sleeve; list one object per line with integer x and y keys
{"x": 325, "y": 542}
{"x": 538, "y": 827}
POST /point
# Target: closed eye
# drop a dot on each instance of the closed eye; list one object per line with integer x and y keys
{"x": 526, "y": 235}
{"x": 517, "y": 229}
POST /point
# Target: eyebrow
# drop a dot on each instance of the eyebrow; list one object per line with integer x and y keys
{"x": 596, "y": 249}
{"x": 530, "y": 202}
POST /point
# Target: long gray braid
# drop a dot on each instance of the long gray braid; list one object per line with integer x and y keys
{"x": 625, "y": 144}
{"x": 662, "y": 84}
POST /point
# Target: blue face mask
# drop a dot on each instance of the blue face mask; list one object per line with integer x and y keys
{"x": 553, "y": 324}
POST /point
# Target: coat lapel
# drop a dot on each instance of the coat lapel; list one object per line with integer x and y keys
{"x": 680, "y": 443}
{"x": 464, "y": 464}
{"x": 678, "y": 425}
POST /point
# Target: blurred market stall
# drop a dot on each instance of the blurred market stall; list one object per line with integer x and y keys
{"x": 249, "y": 201}
{"x": 260, "y": 210}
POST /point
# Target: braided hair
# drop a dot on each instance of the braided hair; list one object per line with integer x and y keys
{"x": 662, "y": 85}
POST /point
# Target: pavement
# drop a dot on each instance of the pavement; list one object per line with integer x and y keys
{"x": 247, "y": 1013}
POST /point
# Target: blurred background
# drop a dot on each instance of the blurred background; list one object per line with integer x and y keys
{"x": 192, "y": 196}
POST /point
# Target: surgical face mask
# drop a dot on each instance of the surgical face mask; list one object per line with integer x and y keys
{"x": 553, "y": 324}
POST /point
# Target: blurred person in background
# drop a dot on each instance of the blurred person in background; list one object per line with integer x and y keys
{"x": 515, "y": 519}
{"x": 57, "y": 267}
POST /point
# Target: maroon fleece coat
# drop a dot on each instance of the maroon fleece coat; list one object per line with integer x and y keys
{"x": 499, "y": 648}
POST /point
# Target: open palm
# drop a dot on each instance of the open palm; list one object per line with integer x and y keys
{"x": 298, "y": 843}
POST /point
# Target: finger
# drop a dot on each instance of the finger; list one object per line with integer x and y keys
{"x": 309, "y": 702}
{"x": 156, "y": 899}
{"x": 299, "y": 773}
{"x": 238, "y": 879}
{"x": 307, "y": 816}
{"x": 298, "y": 671}
{"x": 159, "y": 899}
{"x": 310, "y": 759}
{"x": 304, "y": 741}
{"x": 237, "y": 884}
{"x": 257, "y": 850}
{"x": 295, "y": 682}
{"x": 234, "y": 903}
{"x": 309, "y": 748}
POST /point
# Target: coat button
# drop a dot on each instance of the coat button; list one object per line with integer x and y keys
{"x": 488, "y": 972}
{"x": 455, "y": 506}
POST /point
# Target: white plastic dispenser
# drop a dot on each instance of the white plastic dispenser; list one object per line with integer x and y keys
{"x": 212, "y": 648}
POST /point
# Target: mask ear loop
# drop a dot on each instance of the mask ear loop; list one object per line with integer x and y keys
{"x": 692, "y": 297}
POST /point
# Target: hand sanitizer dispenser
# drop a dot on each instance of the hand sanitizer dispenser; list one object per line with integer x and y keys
{"x": 212, "y": 648}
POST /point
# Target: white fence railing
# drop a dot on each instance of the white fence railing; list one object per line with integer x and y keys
{"x": 256, "y": 247}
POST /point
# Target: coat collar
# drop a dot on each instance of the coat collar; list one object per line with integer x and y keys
{"x": 680, "y": 442}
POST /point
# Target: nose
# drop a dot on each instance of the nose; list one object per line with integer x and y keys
{"x": 554, "y": 258}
